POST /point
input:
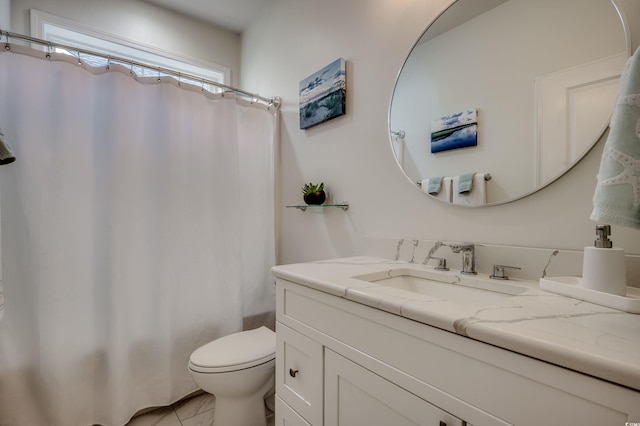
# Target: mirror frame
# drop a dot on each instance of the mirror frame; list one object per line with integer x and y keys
{"x": 596, "y": 139}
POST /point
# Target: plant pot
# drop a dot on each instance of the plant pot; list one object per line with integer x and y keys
{"x": 315, "y": 198}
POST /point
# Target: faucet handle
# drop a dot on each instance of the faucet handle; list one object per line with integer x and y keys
{"x": 442, "y": 264}
{"x": 498, "y": 272}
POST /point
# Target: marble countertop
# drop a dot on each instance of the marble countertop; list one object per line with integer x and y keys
{"x": 582, "y": 336}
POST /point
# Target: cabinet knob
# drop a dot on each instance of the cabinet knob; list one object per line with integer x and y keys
{"x": 292, "y": 372}
{"x": 498, "y": 272}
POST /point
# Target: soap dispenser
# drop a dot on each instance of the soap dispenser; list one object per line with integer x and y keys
{"x": 604, "y": 265}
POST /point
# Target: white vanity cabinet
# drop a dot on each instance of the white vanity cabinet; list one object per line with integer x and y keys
{"x": 339, "y": 362}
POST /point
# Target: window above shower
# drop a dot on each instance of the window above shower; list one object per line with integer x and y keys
{"x": 66, "y": 32}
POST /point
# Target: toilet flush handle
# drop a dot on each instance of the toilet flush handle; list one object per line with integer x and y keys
{"x": 292, "y": 372}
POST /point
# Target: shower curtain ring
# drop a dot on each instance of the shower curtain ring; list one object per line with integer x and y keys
{"x": 7, "y": 46}
{"x": 79, "y": 59}
{"x": 48, "y": 55}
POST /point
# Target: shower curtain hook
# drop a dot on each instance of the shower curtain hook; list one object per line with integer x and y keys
{"x": 179, "y": 77}
{"x": 48, "y": 55}
{"x": 158, "y": 75}
{"x": 131, "y": 69}
{"x": 108, "y": 63}
{"x": 79, "y": 59}
{"x": 7, "y": 46}
{"x": 202, "y": 87}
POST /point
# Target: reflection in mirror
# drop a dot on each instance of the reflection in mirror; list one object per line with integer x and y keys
{"x": 541, "y": 74}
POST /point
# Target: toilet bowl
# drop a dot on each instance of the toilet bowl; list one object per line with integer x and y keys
{"x": 239, "y": 371}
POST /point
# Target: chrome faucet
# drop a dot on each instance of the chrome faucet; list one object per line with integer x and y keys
{"x": 468, "y": 251}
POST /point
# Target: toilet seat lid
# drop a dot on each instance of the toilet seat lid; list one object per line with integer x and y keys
{"x": 235, "y": 351}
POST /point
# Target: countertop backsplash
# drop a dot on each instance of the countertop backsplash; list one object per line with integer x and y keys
{"x": 534, "y": 262}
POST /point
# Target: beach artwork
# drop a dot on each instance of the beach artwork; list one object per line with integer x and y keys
{"x": 454, "y": 131}
{"x": 323, "y": 95}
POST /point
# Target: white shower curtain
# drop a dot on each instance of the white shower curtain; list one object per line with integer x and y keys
{"x": 137, "y": 224}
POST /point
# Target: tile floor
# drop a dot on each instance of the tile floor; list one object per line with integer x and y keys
{"x": 195, "y": 411}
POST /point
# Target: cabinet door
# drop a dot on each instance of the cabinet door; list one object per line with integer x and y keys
{"x": 285, "y": 416}
{"x": 299, "y": 373}
{"x": 355, "y": 396}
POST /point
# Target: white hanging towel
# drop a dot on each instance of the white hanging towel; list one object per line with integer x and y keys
{"x": 398, "y": 149}
{"x": 444, "y": 193}
{"x": 617, "y": 196}
{"x": 477, "y": 196}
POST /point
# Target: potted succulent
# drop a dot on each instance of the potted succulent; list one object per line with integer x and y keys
{"x": 314, "y": 193}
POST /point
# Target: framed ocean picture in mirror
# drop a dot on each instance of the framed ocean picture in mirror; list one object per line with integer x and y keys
{"x": 323, "y": 95}
{"x": 454, "y": 131}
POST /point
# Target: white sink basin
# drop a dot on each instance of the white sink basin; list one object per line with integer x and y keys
{"x": 445, "y": 286}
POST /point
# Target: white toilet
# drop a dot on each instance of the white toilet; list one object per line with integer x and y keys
{"x": 239, "y": 369}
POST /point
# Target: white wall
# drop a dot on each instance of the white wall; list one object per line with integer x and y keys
{"x": 352, "y": 155}
{"x": 145, "y": 23}
{"x": 5, "y": 14}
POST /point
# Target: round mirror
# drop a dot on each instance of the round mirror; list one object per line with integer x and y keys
{"x": 505, "y": 96}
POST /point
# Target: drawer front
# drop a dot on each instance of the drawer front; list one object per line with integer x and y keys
{"x": 299, "y": 373}
{"x": 285, "y": 416}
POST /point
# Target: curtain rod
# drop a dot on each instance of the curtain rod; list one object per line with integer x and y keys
{"x": 274, "y": 101}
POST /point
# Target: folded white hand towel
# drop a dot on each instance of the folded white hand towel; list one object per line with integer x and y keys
{"x": 445, "y": 190}
{"x": 478, "y": 194}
